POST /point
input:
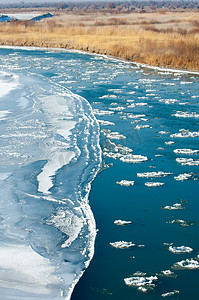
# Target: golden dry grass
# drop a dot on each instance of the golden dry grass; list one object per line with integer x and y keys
{"x": 160, "y": 40}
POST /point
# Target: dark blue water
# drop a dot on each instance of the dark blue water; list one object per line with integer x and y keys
{"x": 168, "y": 103}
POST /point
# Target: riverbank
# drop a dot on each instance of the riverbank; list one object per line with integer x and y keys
{"x": 166, "y": 40}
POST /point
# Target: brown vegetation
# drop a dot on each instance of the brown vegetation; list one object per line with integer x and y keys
{"x": 161, "y": 39}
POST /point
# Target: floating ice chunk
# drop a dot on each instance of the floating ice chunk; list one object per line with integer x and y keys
{"x": 122, "y": 245}
{"x": 183, "y": 103}
{"x": 137, "y": 104}
{"x": 188, "y": 161}
{"x": 186, "y": 151}
{"x": 190, "y": 264}
{"x": 184, "y": 114}
{"x": 144, "y": 97}
{"x": 176, "y": 206}
{"x": 131, "y": 93}
{"x": 168, "y": 273}
{"x": 118, "y": 108}
{"x": 102, "y": 112}
{"x": 186, "y": 82}
{"x": 132, "y": 116}
{"x": 130, "y": 158}
{"x": 138, "y": 127}
{"x": 183, "y": 133}
{"x": 141, "y": 104}
{"x": 115, "y": 90}
{"x": 121, "y": 223}
{"x": 150, "y": 90}
{"x": 182, "y": 177}
{"x": 135, "y": 121}
{"x": 105, "y": 123}
{"x": 107, "y": 96}
{"x": 180, "y": 249}
{"x": 182, "y": 223}
{"x": 154, "y": 174}
{"x": 169, "y": 143}
{"x": 168, "y": 294}
{"x": 143, "y": 283}
{"x": 123, "y": 149}
{"x": 168, "y": 101}
{"x": 126, "y": 182}
{"x": 131, "y": 105}
{"x": 117, "y": 151}
{"x": 151, "y": 95}
{"x": 113, "y": 135}
{"x": 112, "y": 155}
{"x": 154, "y": 184}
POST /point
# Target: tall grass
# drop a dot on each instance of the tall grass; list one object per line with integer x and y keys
{"x": 148, "y": 44}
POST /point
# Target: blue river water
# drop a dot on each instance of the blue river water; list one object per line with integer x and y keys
{"x": 144, "y": 198}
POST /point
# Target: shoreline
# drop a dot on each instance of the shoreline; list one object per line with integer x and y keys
{"x": 35, "y": 46}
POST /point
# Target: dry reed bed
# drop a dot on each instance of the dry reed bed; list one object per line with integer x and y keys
{"x": 146, "y": 45}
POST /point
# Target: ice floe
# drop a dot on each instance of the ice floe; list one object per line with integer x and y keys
{"x": 114, "y": 155}
{"x": 168, "y": 294}
{"x": 107, "y": 96}
{"x": 102, "y": 112}
{"x": 182, "y": 223}
{"x": 138, "y": 127}
{"x": 115, "y": 151}
{"x": 180, "y": 249}
{"x": 183, "y": 133}
{"x": 126, "y": 182}
{"x": 186, "y": 151}
{"x": 185, "y": 176}
{"x": 130, "y": 158}
{"x": 141, "y": 282}
{"x": 122, "y": 223}
{"x": 122, "y": 245}
{"x": 154, "y": 174}
{"x": 137, "y": 104}
{"x": 135, "y": 121}
{"x": 189, "y": 263}
{"x": 186, "y": 82}
{"x": 153, "y": 184}
{"x": 118, "y": 108}
{"x": 168, "y": 101}
{"x": 175, "y": 206}
{"x": 169, "y": 143}
{"x": 168, "y": 273}
{"x": 132, "y": 116}
{"x": 188, "y": 161}
{"x": 184, "y": 114}
{"x": 113, "y": 135}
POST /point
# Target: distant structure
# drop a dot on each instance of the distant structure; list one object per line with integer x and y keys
{"x": 4, "y": 18}
{"x": 38, "y": 18}
{"x": 8, "y": 18}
